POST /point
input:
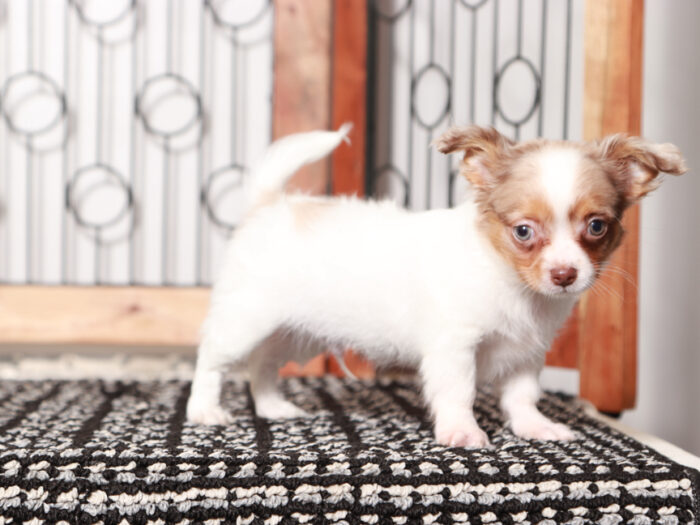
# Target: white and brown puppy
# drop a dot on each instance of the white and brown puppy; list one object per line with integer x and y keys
{"x": 471, "y": 294}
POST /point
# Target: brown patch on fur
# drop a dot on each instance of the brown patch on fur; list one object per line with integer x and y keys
{"x": 634, "y": 163}
{"x": 514, "y": 199}
{"x": 525, "y": 259}
{"x": 483, "y": 149}
{"x": 307, "y": 212}
{"x": 265, "y": 200}
{"x": 615, "y": 173}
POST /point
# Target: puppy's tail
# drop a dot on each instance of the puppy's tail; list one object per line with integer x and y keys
{"x": 285, "y": 156}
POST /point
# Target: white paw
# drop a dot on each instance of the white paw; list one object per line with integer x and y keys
{"x": 278, "y": 409}
{"x": 541, "y": 428}
{"x": 211, "y": 415}
{"x": 461, "y": 434}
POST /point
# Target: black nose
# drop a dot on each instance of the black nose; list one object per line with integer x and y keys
{"x": 563, "y": 276}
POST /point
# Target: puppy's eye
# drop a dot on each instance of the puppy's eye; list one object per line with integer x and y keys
{"x": 522, "y": 232}
{"x": 597, "y": 228}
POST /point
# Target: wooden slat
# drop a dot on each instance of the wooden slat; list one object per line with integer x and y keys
{"x": 302, "y": 79}
{"x": 612, "y": 103}
{"x": 102, "y": 315}
{"x": 350, "y": 93}
{"x": 316, "y": 367}
{"x": 564, "y": 351}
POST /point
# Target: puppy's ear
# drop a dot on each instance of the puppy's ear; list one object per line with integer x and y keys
{"x": 483, "y": 148}
{"x": 637, "y": 163}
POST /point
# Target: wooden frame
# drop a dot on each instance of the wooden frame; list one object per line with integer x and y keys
{"x": 321, "y": 55}
{"x": 613, "y": 103}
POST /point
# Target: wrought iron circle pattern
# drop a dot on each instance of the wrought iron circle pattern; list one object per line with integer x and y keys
{"x": 390, "y": 171}
{"x": 536, "y": 95}
{"x": 206, "y": 196}
{"x": 109, "y": 173}
{"x": 187, "y": 87}
{"x": 476, "y": 5}
{"x": 78, "y": 4}
{"x": 391, "y": 17}
{"x": 221, "y": 22}
{"x": 415, "y": 83}
{"x": 53, "y": 88}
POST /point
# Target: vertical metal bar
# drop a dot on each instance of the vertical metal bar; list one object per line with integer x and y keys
{"x": 98, "y": 255}
{"x": 165, "y": 226}
{"x": 28, "y": 212}
{"x": 99, "y": 96}
{"x": 211, "y": 57}
{"x": 132, "y": 155}
{"x": 234, "y": 65}
{"x": 411, "y": 60}
{"x": 429, "y": 156}
{"x": 543, "y": 60}
{"x": 98, "y": 140}
{"x": 168, "y": 36}
{"x": 519, "y": 51}
{"x": 370, "y": 149}
{"x": 494, "y": 75}
{"x": 78, "y": 53}
{"x": 165, "y": 216}
{"x": 29, "y": 155}
{"x": 200, "y": 156}
{"x": 30, "y": 35}
{"x": 567, "y": 70}
{"x": 64, "y": 147}
{"x": 7, "y": 178}
{"x": 431, "y": 32}
{"x": 472, "y": 73}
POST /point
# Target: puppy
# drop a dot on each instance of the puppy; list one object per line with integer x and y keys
{"x": 473, "y": 294}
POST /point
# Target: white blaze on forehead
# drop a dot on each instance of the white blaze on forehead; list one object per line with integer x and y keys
{"x": 558, "y": 175}
{"x": 558, "y": 170}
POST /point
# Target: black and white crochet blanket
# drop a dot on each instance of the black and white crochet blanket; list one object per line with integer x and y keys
{"x": 121, "y": 452}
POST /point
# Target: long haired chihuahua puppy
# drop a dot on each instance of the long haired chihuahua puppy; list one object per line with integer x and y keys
{"x": 473, "y": 294}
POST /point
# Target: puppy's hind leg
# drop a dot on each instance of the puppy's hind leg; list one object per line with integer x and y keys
{"x": 263, "y": 367}
{"x": 228, "y": 338}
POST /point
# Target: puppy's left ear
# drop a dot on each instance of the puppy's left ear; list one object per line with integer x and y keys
{"x": 637, "y": 163}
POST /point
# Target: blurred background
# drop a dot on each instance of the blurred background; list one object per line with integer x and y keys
{"x": 128, "y": 126}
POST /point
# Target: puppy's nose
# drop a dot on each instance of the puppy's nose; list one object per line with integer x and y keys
{"x": 563, "y": 276}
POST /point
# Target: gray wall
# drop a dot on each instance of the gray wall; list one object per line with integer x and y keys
{"x": 668, "y": 402}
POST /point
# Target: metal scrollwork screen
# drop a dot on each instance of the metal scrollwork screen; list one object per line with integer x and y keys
{"x": 126, "y": 128}
{"x": 516, "y": 65}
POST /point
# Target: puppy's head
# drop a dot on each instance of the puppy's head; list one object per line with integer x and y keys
{"x": 553, "y": 209}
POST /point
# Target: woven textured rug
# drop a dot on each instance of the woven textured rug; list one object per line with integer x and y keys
{"x": 121, "y": 452}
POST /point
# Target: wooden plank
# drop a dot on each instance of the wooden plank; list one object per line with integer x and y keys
{"x": 564, "y": 351}
{"x": 359, "y": 366}
{"x": 316, "y": 367}
{"x": 350, "y": 93}
{"x": 302, "y": 79}
{"x": 612, "y": 103}
{"x": 102, "y": 315}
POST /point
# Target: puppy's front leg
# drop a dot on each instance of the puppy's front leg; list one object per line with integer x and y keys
{"x": 449, "y": 378}
{"x": 519, "y": 395}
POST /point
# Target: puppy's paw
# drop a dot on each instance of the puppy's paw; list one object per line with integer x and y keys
{"x": 278, "y": 409}
{"x": 467, "y": 435}
{"x": 541, "y": 428}
{"x": 212, "y": 415}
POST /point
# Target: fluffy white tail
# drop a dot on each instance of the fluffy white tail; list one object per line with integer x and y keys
{"x": 286, "y": 155}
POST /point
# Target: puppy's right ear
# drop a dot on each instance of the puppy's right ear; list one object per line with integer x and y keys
{"x": 483, "y": 149}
